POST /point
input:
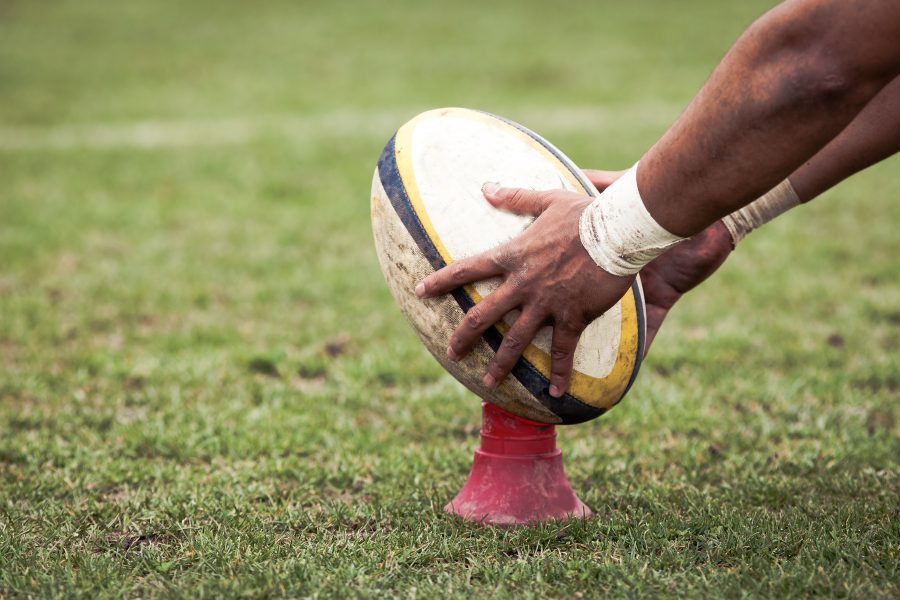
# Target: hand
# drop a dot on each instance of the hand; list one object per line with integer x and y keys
{"x": 547, "y": 274}
{"x": 679, "y": 270}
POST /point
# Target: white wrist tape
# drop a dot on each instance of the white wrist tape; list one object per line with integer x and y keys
{"x": 777, "y": 201}
{"x": 618, "y": 232}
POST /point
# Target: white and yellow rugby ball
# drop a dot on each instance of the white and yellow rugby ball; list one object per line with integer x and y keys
{"x": 428, "y": 210}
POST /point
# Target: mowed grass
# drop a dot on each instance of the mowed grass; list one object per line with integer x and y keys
{"x": 205, "y": 386}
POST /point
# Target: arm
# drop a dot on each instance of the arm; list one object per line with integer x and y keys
{"x": 792, "y": 82}
{"x": 789, "y": 85}
{"x": 871, "y": 137}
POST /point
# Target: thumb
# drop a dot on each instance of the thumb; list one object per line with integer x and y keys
{"x": 516, "y": 200}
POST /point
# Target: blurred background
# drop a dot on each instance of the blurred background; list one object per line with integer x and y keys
{"x": 204, "y": 383}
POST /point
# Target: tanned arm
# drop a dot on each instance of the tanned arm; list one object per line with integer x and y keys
{"x": 871, "y": 137}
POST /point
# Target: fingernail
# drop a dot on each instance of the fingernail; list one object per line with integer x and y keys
{"x": 452, "y": 355}
{"x": 489, "y": 188}
{"x": 420, "y": 289}
{"x": 489, "y": 381}
{"x": 555, "y": 391}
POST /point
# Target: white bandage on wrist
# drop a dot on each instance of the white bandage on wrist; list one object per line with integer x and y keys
{"x": 619, "y": 233}
{"x": 776, "y": 201}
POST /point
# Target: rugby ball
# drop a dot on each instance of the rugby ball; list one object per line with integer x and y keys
{"x": 428, "y": 210}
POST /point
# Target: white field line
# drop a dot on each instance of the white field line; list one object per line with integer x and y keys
{"x": 306, "y": 128}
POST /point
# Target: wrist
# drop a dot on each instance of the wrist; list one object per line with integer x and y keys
{"x": 619, "y": 233}
{"x": 770, "y": 205}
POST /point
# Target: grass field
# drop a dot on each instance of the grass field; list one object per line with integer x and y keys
{"x": 205, "y": 386}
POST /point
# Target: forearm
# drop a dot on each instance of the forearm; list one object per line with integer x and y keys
{"x": 871, "y": 137}
{"x": 788, "y": 86}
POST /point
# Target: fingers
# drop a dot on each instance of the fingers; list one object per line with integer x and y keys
{"x": 562, "y": 355}
{"x": 481, "y": 316}
{"x": 602, "y": 179}
{"x": 517, "y": 200}
{"x": 459, "y": 273}
{"x": 514, "y": 343}
{"x": 655, "y": 316}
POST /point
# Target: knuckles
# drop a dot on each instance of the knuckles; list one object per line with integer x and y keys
{"x": 460, "y": 273}
{"x": 474, "y": 318}
{"x": 560, "y": 354}
{"x": 514, "y": 198}
{"x": 570, "y": 322}
{"x": 513, "y": 343}
{"x": 517, "y": 280}
{"x": 498, "y": 370}
{"x": 505, "y": 257}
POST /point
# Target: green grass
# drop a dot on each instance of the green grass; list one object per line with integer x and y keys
{"x": 205, "y": 387}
